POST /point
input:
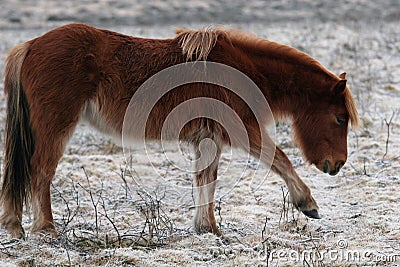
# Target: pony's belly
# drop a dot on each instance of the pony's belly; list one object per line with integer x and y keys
{"x": 91, "y": 115}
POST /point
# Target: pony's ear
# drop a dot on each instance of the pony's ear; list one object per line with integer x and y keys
{"x": 339, "y": 87}
{"x": 342, "y": 76}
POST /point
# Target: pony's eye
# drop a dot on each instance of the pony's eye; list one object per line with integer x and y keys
{"x": 341, "y": 120}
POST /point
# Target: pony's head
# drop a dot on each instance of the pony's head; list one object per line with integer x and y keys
{"x": 321, "y": 128}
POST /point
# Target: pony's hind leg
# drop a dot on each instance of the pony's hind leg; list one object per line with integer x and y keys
{"x": 49, "y": 147}
{"x": 51, "y": 132}
{"x": 52, "y": 123}
{"x": 208, "y": 151}
{"x": 11, "y": 217}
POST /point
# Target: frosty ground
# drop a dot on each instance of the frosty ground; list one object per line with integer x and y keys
{"x": 103, "y": 220}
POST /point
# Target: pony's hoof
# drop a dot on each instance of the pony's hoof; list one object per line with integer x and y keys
{"x": 46, "y": 230}
{"x": 17, "y": 233}
{"x": 312, "y": 213}
{"x": 208, "y": 229}
{"x": 15, "y": 229}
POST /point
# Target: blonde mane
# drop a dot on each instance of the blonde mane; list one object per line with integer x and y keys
{"x": 198, "y": 42}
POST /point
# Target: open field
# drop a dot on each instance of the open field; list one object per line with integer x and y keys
{"x": 102, "y": 219}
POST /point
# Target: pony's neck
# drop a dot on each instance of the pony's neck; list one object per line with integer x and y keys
{"x": 289, "y": 79}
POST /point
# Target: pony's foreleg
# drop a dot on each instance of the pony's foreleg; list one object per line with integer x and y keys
{"x": 299, "y": 191}
{"x": 262, "y": 147}
{"x": 208, "y": 152}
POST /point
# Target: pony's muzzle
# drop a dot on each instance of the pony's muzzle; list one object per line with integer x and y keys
{"x": 334, "y": 171}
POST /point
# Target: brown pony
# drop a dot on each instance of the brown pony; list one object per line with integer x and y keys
{"x": 79, "y": 71}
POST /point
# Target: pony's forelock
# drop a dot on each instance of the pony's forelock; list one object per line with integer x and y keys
{"x": 352, "y": 109}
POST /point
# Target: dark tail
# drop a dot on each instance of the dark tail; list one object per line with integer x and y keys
{"x": 18, "y": 140}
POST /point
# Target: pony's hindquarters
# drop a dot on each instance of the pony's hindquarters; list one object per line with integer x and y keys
{"x": 48, "y": 80}
{"x": 18, "y": 145}
{"x": 60, "y": 74}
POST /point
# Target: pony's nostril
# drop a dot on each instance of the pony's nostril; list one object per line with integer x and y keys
{"x": 327, "y": 168}
{"x": 339, "y": 165}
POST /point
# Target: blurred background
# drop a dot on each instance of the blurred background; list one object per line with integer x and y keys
{"x": 43, "y": 13}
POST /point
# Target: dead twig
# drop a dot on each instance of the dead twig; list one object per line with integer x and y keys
{"x": 388, "y": 124}
{"x": 93, "y": 202}
{"x": 264, "y": 230}
{"x": 284, "y": 217}
{"x": 112, "y": 222}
